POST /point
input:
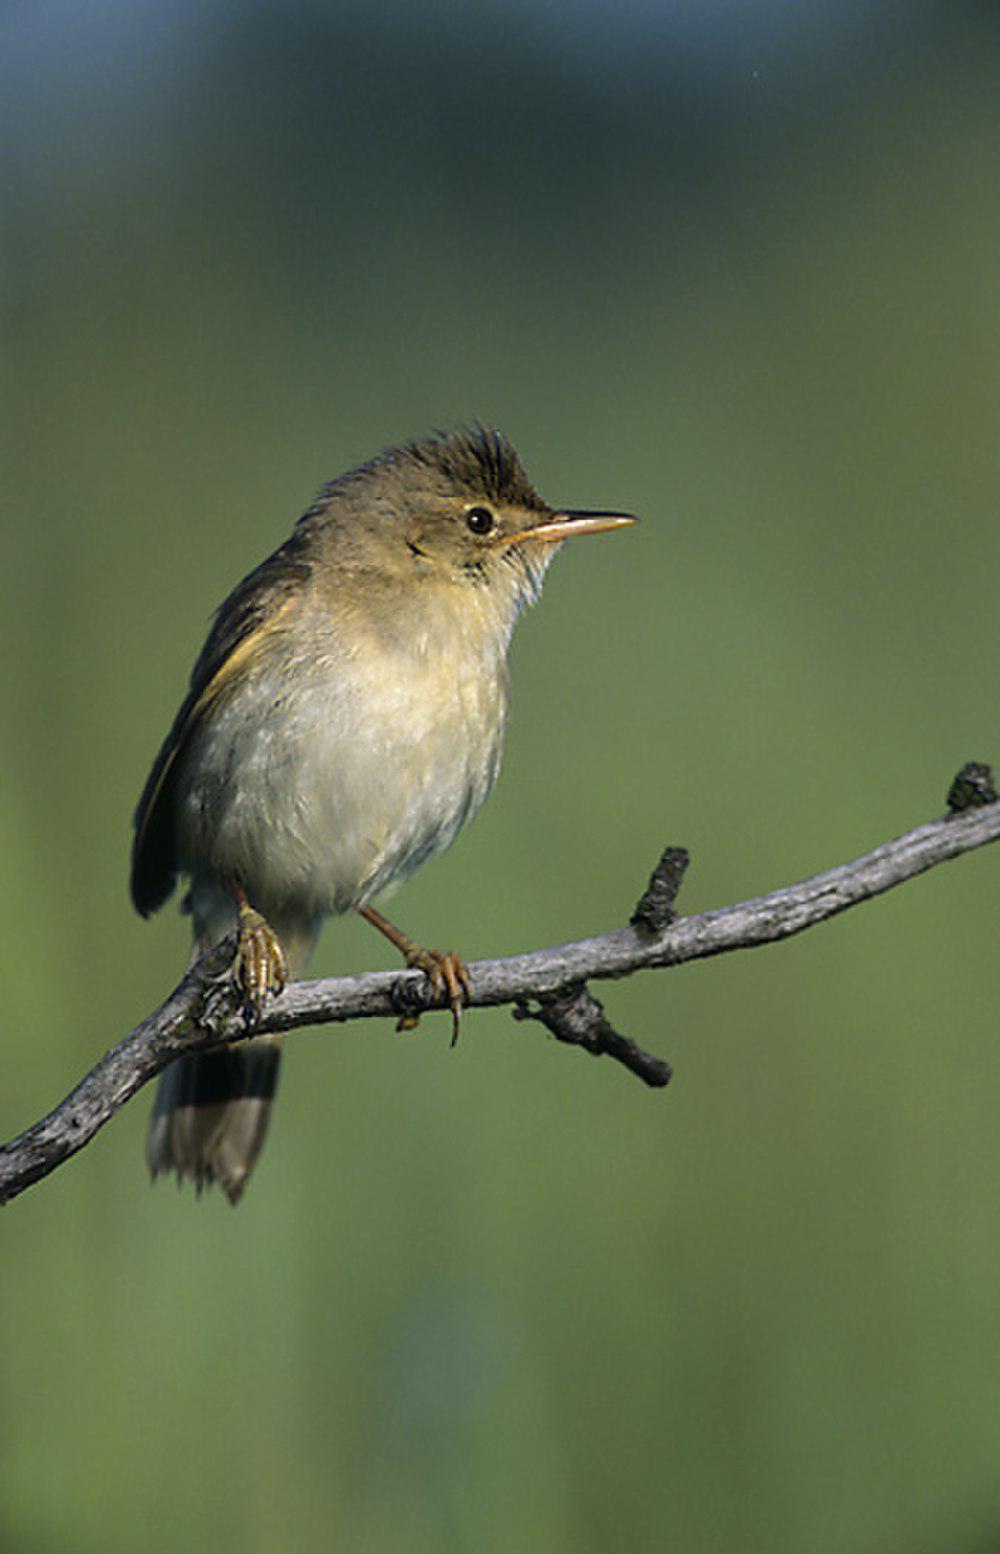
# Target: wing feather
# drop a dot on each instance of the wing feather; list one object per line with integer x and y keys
{"x": 252, "y": 607}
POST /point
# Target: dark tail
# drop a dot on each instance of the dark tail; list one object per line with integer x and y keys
{"x": 211, "y": 1114}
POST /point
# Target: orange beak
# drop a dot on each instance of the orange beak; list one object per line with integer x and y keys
{"x": 563, "y": 525}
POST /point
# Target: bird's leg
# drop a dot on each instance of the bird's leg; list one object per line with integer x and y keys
{"x": 260, "y": 961}
{"x": 445, "y": 970}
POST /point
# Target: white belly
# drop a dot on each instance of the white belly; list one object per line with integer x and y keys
{"x": 320, "y": 796}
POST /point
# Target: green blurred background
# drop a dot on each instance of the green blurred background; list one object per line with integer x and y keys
{"x": 730, "y": 266}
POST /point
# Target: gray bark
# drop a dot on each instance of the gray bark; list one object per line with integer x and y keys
{"x": 549, "y": 985}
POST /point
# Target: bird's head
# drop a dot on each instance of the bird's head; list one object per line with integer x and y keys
{"x": 454, "y": 508}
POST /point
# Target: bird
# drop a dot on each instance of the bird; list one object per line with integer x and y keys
{"x": 344, "y": 720}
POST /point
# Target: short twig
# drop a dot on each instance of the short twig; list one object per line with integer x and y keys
{"x": 577, "y": 1017}
{"x": 655, "y": 907}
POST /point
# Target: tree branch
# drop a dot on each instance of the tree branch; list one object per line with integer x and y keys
{"x": 204, "y": 1009}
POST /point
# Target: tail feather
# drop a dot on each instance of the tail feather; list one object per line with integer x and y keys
{"x": 212, "y": 1108}
{"x": 211, "y": 1114}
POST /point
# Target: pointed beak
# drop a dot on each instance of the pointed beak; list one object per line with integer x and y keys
{"x": 565, "y": 524}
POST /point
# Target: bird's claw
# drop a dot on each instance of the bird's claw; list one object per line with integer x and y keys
{"x": 450, "y": 986}
{"x": 260, "y": 962}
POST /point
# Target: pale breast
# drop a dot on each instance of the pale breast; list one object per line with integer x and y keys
{"x": 320, "y": 783}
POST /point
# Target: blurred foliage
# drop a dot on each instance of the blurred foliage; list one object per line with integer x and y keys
{"x": 733, "y": 269}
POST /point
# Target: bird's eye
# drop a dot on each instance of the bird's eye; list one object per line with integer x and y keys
{"x": 480, "y": 520}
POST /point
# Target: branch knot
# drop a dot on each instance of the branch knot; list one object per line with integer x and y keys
{"x": 972, "y": 787}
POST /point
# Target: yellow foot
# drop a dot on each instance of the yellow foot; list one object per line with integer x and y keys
{"x": 260, "y": 961}
{"x": 445, "y": 971}
{"x": 449, "y": 980}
